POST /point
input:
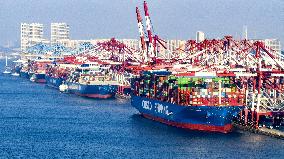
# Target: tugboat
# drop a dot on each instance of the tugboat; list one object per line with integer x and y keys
{"x": 15, "y": 74}
{"x": 63, "y": 87}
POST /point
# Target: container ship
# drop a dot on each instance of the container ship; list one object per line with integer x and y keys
{"x": 56, "y": 74}
{"x": 24, "y": 72}
{"x": 199, "y": 102}
{"x": 93, "y": 81}
{"x": 38, "y": 67}
{"x": 58, "y": 71}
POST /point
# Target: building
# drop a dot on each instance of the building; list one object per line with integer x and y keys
{"x": 273, "y": 45}
{"x": 200, "y": 36}
{"x": 31, "y": 34}
{"x": 172, "y": 47}
{"x": 59, "y": 33}
{"x": 132, "y": 43}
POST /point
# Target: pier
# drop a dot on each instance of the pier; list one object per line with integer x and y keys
{"x": 263, "y": 131}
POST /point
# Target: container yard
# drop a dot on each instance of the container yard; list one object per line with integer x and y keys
{"x": 204, "y": 86}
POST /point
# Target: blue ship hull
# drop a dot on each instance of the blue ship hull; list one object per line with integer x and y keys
{"x": 53, "y": 82}
{"x": 38, "y": 78}
{"x": 17, "y": 69}
{"x": 206, "y": 118}
{"x": 24, "y": 74}
{"x": 92, "y": 91}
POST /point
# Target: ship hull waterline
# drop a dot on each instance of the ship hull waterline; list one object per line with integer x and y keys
{"x": 92, "y": 91}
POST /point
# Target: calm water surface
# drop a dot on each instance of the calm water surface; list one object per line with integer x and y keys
{"x": 39, "y": 122}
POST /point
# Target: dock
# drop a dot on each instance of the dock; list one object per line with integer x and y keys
{"x": 263, "y": 131}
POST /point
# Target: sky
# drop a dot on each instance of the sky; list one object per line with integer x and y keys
{"x": 171, "y": 19}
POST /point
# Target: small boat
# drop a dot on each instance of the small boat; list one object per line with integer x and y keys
{"x": 15, "y": 74}
{"x": 17, "y": 67}
{"x": 63, "y": 88}
{"x": 7, "y": 68}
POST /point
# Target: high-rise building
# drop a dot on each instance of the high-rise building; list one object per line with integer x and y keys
{"x": 132, "y": 43}
{"x": 274, "y": 46}
{"x": 171, "y": 46}
{"x": 31, "y": 34}
{"x": 245, "y": 32}
{"x": 200, "y": 36}
{"x": 59, "y": 32}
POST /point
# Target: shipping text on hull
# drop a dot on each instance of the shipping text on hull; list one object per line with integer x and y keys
{"x": 92, "y": 91}
{"x": 198, "y": 103}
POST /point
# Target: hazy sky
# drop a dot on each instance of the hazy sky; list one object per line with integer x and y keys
{"x": 172, "y": 19}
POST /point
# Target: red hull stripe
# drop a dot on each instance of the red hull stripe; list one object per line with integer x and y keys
{"x": 223, "y": 129}
{"x": 95, "y": 95}
{"x": 40, "y": 81}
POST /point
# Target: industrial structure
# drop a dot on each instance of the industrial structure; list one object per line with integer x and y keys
{"x": 253, "y": 70}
